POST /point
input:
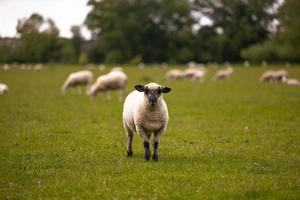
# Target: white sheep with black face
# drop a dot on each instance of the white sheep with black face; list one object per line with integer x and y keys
{"x": 3, "y": 88}
{"x": 80, "y": 78}
{"x": 145, "y": 112}
{"x": 114, "y": 80}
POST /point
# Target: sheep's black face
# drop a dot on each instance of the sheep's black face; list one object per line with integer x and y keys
{"x": 152, "y": 93}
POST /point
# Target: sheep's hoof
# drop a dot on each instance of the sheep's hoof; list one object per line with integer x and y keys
{"x": 147, "y": 157}
{"x": 155, "y": 157}
{"x": 129, "y": 153}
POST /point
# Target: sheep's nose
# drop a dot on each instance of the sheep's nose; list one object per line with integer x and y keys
{"x": 152, "y": 98}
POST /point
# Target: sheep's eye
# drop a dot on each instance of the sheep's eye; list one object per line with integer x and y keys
{"x": 146, "y": 91}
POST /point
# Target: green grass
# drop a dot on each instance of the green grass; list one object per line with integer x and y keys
{"x": 233, "y": 139}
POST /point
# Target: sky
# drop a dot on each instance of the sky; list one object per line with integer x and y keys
{"x": 65, "y": 13}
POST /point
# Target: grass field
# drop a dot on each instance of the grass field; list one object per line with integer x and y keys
{"x": 233, "y": 139}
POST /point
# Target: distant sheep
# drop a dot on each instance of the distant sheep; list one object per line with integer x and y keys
{"x": 223, "y": 74}
{"x": 114, "y": 80}
{"x": 268, "y": 76}
{"x": 80, "y": 78}
{"x": 280, "y": 75}
{"x": 38, "y": 67}
{"x": 6, "y": 67}
{"x": 3, "y": 88}
{"x": 195, "y": 73}
{"x": 272, "y": 76}
{"x": 145, "y": 112}
{"x": 290, "y": 82}
{"x": 175, "y": 74}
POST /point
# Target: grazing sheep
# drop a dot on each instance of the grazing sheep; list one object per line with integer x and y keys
{"x": 114, "y": 80}
{"x": 223, "y": 74}
{"x": 6, "y": 67}
{"x": 290, "y": 82}
{"x": 175, "y": 74}
{"x": 79, "y": 78}
{"x": 272, "y": 76}
{"x": 38, "y": 67}
{"x": 198, "y": 75}
{"x": 145, "y": 112}
{"x": 268, "y": 76}
{"x": 280, "y": 74}
{"x": 3, "y": 88}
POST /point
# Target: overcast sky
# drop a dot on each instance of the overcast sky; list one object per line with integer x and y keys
{"x": 65, "y": 13}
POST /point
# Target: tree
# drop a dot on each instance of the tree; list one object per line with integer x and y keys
{"x": 239, "y": 23}
{"x": 127, "y": 29}
{"x": 288, "y": 35}
{"x": 76, "y": 40}
{"x": 39, "y": 40}
{"x": 31, "y": 25}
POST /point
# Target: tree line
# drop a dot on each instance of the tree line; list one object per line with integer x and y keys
{"x": 156, "y": 31}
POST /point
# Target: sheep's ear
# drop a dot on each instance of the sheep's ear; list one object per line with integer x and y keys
{"x": 140, "y": 88}
{"x": 165, "y": 89}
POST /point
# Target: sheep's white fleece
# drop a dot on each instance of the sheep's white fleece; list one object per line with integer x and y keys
{"x": 113, "y": 80}
{"x": 3, "y": 88}
{"x": 137, "y": 113}
{"x": 83, "y": 77}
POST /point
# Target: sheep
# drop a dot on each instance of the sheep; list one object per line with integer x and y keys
{"x": 114, "y": 80}
{"x": 6, "y": 67}
{"x": 198, "y": 75}
{"x": 79, "y": 78}
{"x": 272, "y": 76}
{"x": 280, "y": 74}
{"x": 144, "y": 112}
{"x": 268, "y": 76}
{"x": 3, "y": 88}
{"x": 175, "y": 74}
{"x": 38, "y": 67}
{"x": 223, "y": 74}
{"x": 290, "y": 82}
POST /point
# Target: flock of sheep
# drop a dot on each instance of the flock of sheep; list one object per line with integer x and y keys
{"x": 279, "y": 76}
{"x": 144, "y": 110}
{"x": 116, "y": 79}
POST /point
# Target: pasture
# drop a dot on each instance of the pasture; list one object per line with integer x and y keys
{"x": 232, "y": 139}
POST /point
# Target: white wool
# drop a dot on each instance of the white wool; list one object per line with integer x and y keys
{"x": 271, "y": 76}
{"x": 115, "y": 79}
{"x": 38, "y": 67}
{"x": 223, "y": 73}
{"x": 290, "y": 82}
{"x": 3, "y": 88}
{"x": 83, "y": 77}
{"x": 138, "y": 115}
{"x": 175, "y": 74}
{"x": 280, "y": 74}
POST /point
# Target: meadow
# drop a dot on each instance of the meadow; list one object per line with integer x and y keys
{"x": 232, "y": 139}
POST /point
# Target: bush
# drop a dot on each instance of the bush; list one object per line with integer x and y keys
{"x": 264, "y": 51}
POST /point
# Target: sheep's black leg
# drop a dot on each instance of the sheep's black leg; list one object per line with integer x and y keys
{"x": 129, "y": 136}
{"x": 147, "y": 150}
{"x": 155, "y": 153}
{"x": 129, "y": 145}
{"x": 157, "y": 135}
